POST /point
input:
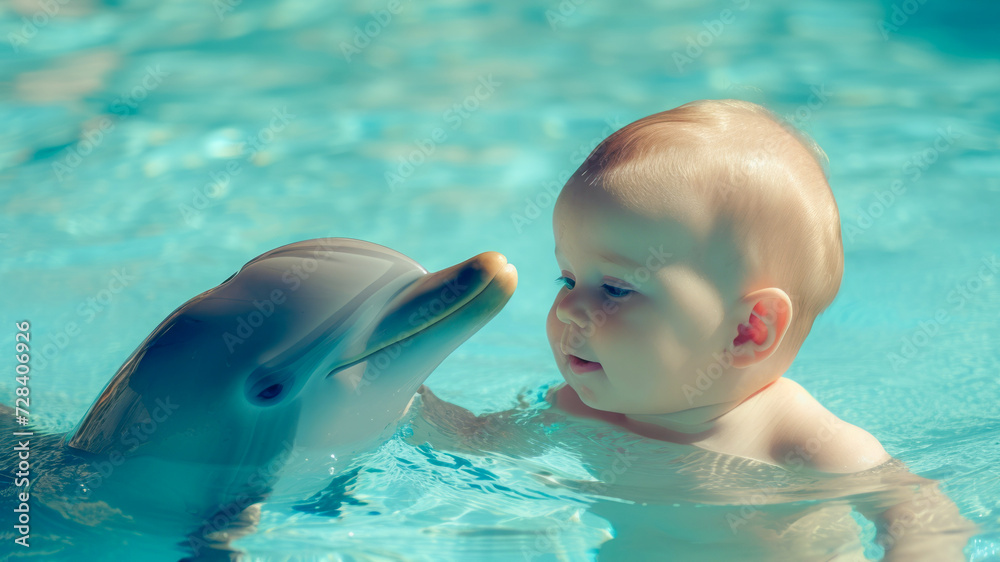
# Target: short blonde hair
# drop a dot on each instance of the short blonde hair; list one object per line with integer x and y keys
{"x": 754, "y": 169}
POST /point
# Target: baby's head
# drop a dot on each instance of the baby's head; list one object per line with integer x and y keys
{"x": 697, "y": 246}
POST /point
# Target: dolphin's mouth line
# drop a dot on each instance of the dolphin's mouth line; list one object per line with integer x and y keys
{"x": 409, "y": 335}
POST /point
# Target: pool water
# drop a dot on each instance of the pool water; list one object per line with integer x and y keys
{"x": 152, "y": 148}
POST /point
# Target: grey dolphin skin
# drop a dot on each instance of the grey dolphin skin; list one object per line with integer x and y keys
{"x": 261, "y": 387}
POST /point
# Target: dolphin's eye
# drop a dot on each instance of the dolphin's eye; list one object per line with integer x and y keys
{"x": 270, "y": 392}
{"x": 270, "y": 388}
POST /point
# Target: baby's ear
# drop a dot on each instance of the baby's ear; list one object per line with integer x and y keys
{"x": 760, "y": 334}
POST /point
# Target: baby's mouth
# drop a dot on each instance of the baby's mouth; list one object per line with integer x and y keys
{"x": 580, "y": 366}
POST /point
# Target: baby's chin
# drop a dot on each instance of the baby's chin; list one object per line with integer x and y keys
{"x": 621, "y": 405}
{"x": 592, "y": 399}
{"x": 586, "y": 395}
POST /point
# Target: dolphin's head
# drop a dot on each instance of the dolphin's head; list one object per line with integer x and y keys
{"x": 313, "y": 350}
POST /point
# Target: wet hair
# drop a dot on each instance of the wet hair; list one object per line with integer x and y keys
{"x": 745, "y": 164}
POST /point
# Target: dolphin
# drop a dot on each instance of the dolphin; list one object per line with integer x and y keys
{"x": 262, "y": 387}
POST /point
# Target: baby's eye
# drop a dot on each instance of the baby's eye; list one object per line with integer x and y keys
{"x": 616, "y": 292}
{"x": 565, "y": 282}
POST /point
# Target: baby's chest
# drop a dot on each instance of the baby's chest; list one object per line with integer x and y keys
{"x": 629, "y": 466}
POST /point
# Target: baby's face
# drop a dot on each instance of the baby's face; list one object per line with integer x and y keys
{"x": 648, "y": 302}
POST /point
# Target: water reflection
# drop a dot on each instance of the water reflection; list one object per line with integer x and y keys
{"x": 664, "y": 499}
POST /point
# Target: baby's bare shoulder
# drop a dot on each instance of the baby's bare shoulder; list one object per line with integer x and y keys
{"x": 807, "y": 435}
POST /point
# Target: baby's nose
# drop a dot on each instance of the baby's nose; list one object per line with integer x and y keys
{"x": 571, "y": 310}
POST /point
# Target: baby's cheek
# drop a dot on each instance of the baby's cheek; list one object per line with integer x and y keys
{"x": 648, "y": 335}
{"x": 633, "y": 321}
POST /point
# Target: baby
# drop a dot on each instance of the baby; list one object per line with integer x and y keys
{"x": 697, "y": 247}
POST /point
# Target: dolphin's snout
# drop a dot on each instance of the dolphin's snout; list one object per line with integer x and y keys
{"x": 474, "y": 274}
{"x": 436, "y": 295}
{"x": 467, "y": 294}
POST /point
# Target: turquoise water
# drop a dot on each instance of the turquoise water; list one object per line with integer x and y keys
{"x": 167, "y": 143}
